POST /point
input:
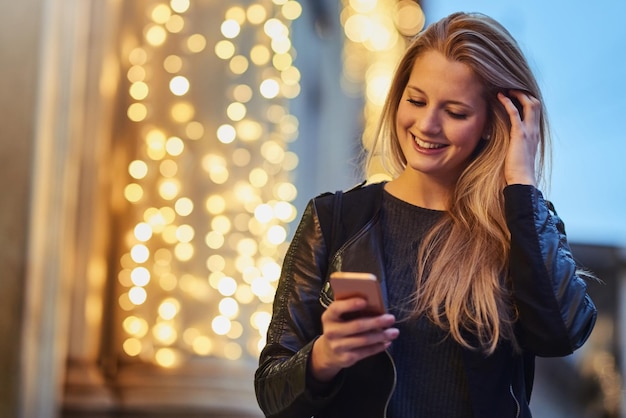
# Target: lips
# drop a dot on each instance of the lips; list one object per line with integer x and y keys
{"x": 428, "y": 145}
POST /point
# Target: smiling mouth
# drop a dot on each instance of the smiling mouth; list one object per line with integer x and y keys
{"x": 427, "y": 145}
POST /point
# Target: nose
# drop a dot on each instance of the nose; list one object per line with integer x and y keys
{"x": 428, "y": 121}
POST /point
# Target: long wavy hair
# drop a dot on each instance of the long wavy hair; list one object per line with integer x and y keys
{"x": 462, "y": 263}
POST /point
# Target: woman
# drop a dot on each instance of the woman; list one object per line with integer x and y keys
{"x": 476, "y": 272}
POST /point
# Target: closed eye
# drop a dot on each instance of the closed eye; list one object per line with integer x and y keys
{"x": 415, "y": 102}
{"x": 456, "y": 115}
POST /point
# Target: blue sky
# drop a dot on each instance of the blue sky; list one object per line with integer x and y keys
{"x": 576, "y": 50}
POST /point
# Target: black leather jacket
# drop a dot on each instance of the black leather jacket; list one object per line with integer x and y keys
{"x": 556, "y": 314}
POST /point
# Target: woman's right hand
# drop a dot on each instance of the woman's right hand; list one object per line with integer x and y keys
{"x": 346, "y": 341}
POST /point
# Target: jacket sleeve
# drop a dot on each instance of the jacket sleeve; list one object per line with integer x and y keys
{"x": 282, "y": 386}
{"x": 556, "y": 315}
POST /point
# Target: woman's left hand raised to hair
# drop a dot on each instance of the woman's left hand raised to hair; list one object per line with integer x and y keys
{"x": 519, "y": 164}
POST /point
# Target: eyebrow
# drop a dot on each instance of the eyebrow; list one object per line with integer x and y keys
{"x": 455, "y": 102}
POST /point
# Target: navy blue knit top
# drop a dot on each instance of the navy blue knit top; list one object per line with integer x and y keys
{"x": 431, "y": 380}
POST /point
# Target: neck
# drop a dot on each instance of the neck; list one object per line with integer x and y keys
{"x": 420, "y": 190}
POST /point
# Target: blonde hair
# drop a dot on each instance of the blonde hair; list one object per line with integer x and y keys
{"x": 462, "y": 265}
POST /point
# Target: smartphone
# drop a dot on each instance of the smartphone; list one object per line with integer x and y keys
{"x": 349, "y": 284}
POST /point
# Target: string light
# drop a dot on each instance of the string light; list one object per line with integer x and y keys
{"x": 376, "y": 36}
{"x": 209, "y": 189}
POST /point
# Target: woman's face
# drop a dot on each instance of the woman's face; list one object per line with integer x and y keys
{"x": 441, "y": 117}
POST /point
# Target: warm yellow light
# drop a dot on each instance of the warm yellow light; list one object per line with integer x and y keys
{"x": 236, "y": 13}
{"x": 247, "y": 247}
{"x": 179, "y": 85}
{"x": 142, "y": 231}
{"x": 215, "y": 204}
{"x": 179, "y": 6}
{"x": 410, "y": 18}
{"x": 242, "y": 93}
{"x": 281, "y": 45}
{"x": 138, "y": 169}
{"x": 363, "y": 6}
{"x": 194, "y": 130}
{"x": 168, "y": 282}
{"x": 175, "y": 24}
{"x": 244, "y": 294}
{"x": 183, "y": 112}
{"x": 133, "y": 192}
{"x": 260, "y": 320}
{"x": 285, "y": 211}
{"x": 140, "y": 276}
{"x": 260, "y": 55}
{"x": 291, "y": 10}
{"x": 258, "y": 177}
{"x": 264, "y": 213}
{"x": 230, "y": 28}
{"x": 386, "y": 34}
{"x": 249, "y": 130}
{"x": 167, "y": 357}
{"x": 232, "y": 351}
{"x": 238, "y": 64}
{"x": 236, "y": 111}
{"x": 219, "y": 174}
{"x": 256, "y": 14}
{"x": 291, "y": 161}
{"x": 156, "y": 35}
{"x": 169, "y": 189}
{"x": 138, "y": 57}
{"x": 173, "y": 64}
{"x": 196, "y": 43}
{"x": 227, "y": 286}
{"x": 269, "y": 88}
{"x": 165, "y": 333}
{"x": 135, "y": 326}
{"x": 137, "y": 112}
{"x": 274, "y": 28}
{"x": 377, "y": 88}
{"x": 271, "y": 270}
{"x": 276, "y": 234}
{"x": 184, "y": 251}
{"x": 139, "y": 253}
{"x": 272, "y": 152}
{"x": 290, "y": 75}
{"x": 241, "y": 157}
{"x": 202, "y": 345}
{"x": 132, "y": 346}
{"x": 174, "y": 146}
{"x": 184, "y": 206}
{"x": 169, "y": 308}
{"x": 282, "y": 62}
{"x": 220, "y": 325}
{"x": 161, "y": 14}
{"x": 168, "y": 168}
{"x": 139, "y": 90}
{"x": 226, "y": 134}
{"x": 136, "y": 73}
{"x": 236, "y": 330}
{"x": 137, "y": 295}
{"x": 214, "y": 240}
{"x": 169, "y": 234}
{"x": 229, "y": 308}
{"x": 215, "y": 263}
{"x": 185, "y": 233}
{"x": 286, "y": 192}
{"x": 359, "y": 28}
{"x": 224, "y": 49}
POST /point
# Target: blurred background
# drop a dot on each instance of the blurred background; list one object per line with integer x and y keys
{"x": 157, "y": 155}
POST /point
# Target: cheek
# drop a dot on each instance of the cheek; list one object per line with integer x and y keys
{"x": 404, "y": 119}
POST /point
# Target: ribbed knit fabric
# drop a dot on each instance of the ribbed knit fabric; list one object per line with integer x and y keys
{"x": 431, "y": 377}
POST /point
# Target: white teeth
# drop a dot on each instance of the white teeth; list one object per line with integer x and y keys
{"x": 427, "y": 145}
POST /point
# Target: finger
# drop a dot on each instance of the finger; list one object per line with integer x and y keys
{"x": 531, "y": 106}
{"x": 511, "y": 109}
{"x": 339, "y": 308}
